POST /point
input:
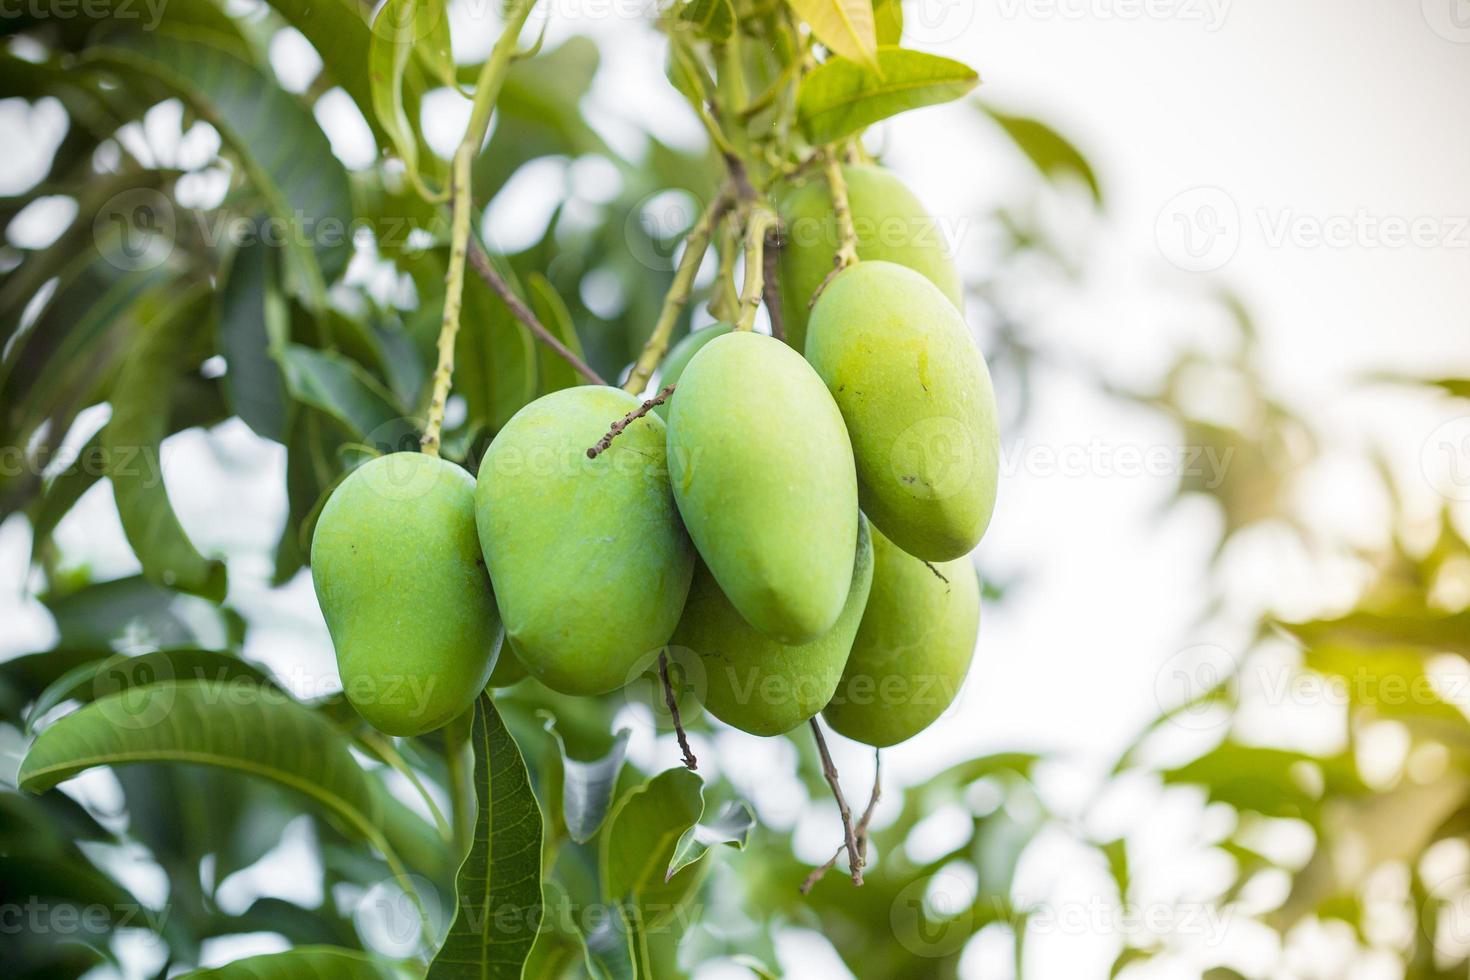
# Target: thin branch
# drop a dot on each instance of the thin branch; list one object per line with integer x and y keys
{"x": 760, "y": 221}
{"x": 617, "y": 428}
{"x": 480, "y": 262}
{"x": 829, "y": 770}
{"x": 937, "y": 573}
{"x": 846, "y": 232}
{"x": 861, "y": 833}
{"x": 695, "y": 245}
{"x": 772, "y": 286}
{"x": 673, "y": 703}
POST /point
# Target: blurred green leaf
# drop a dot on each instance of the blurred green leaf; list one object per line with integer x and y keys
{"x": 343, "y": 389}
{"x": 1051, "y": 152}
{"x": 843, "y": 97}
{"x": 844, "y": 26}
{"x": 248, "y": 303}
{"x": 305, "y": 963}
{"x": 587, "y": 785}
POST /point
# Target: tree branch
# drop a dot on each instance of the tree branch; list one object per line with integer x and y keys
{"x": 673, "y": 703}
{"x": 829, "y": 770}
{"x": 846, "y": 232}
{"x": 617, "y": 428}
{"x": 860, "y": 834}
{"x": 480, "y": 262}
{"x": 772, "y": 287}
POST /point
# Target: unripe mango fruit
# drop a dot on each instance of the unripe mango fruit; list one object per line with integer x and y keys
{"x": 758, "y": 684}
{"x": 682, "y": 354}
{"x": 916, "y": 396}
{"x": 401, "y": 583}
{"x": 891, "y": 226}
{"x": 912, "y": 650}
{"x": 590, "y": 562}
{"x": 763, "y": 475}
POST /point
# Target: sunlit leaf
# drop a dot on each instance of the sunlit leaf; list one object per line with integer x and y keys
{"x": 844, "y": 26}
{"x": 842, "y": 97}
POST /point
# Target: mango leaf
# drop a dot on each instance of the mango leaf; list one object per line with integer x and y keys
{"x": 98, "y": 678}
{"x": 888, "y": 20}
{"x": 256, "y": 390}
{"x": 587, "y": 786}
{"x": 641, "y": 841}
{"x": 844, "y": 26}
{"x": 133, "y": 614}
{"x": 342, "y": 388}
{"x": 732, "y": 825}
{"x": 549, "y": 308}
{"x": 712, "y": 20}
{"x": 132, "y": 440}
{"x": 401, "y": 28}
{"x": 842, "y": 97}
{"x": 282, "y": 150}
{"x": 304, "y": 963}
{"x": 1052, "y": 154}
{"x": 260, "y": 733}
{"x": 339, "y": 33}
{"x": 498, "y": 886}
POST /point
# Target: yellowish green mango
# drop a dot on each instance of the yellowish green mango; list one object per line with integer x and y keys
{"x": 916, "y": 396}
{"x": 683, "y": 352}
{"x": 398, "y": 573}
{"x": 912, "y": 650}
{"x": 590, "y": 561}
{"x": 757, "y": 684}
{"x": 763, "y": 475}
{"x": 891, "y": 226}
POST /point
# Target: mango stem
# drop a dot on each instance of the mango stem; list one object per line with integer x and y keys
{"x": 847, "y": 241}
{"x": 760, "y": 221}
{"x": 690, "y": 762}
{"x": 617, "y": 427}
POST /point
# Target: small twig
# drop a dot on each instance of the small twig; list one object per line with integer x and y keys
{"x": 617, "y": 428}
{"x": 861, "y": 833}
{"x": 481, "y": 264}
{"x": 829, "y": 770}
{"x": 695, "y": 245}
{"x": 760, "y": 221}
{"x": 663, "y": 672}
{"x": 772, "y": 286}
{"x": 937, "y": 573}
{"x": 846, "y": 232}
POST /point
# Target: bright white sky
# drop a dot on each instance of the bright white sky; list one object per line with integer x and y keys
{"x": 1318, "y": 116}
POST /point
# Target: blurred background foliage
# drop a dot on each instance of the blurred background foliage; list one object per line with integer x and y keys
{"x": 117, "y": 337}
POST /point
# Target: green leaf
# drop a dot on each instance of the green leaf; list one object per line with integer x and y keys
{"x": 134, "y": 614}
{"x": 256, "y": 390}
{"x": 888, "y": 20}
{"x": 732, "y": 825}
{"x": 712, "y": 20}
{"x": 401, "y": 28}
{"x": 587, "y": 786}
{"x": 844, "y": 26}
{"x": 343, "y": 389}
{"x": 133, "y": 439}
{"x": 284, "y": 153}
{"x": 842, "y": 97}
{"x": 495, "y": 361}
{"x": 339, "y": 33}
{"x": 304, "y": 963}
{"x": 98, "y": 678}
{"x": 641, "y": 842}
{"x": 549, "y": 308}
{"x": 1052, "y": 154}
{"x": 498, "y": 887}
{"x": 260, "y": 733}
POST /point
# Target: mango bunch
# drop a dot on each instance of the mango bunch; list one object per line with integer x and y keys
{"x": 797, "y": 514}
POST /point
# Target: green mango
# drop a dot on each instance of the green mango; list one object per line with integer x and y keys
{"x": 508, "y": 670}
{"x": 763, "y": 475}
{"x": 401, "y": 583}
{"x": 891, "y": 226}
{"x": 916, "y": 396}
{"x": 682, "y": 354}
{"x": 757, "y": 684}
{"x": 590, "y": 563}
{"x": 912, "y": 650}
